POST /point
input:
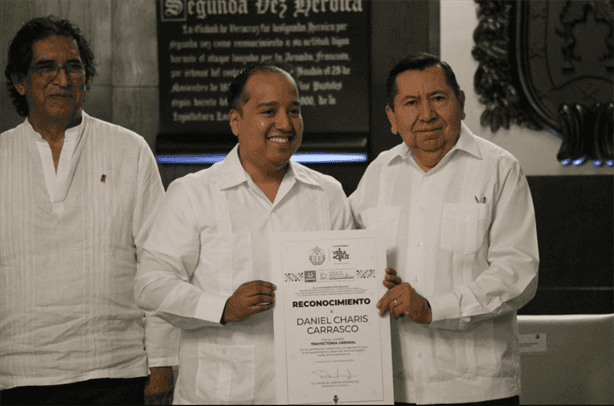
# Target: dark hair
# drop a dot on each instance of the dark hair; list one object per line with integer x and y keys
{"x": 237, "y": 87}
{"x": 21, "y": 53}
{"x": 419, "y": 61}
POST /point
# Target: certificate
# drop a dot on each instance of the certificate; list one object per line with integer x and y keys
{"x": 331, "y": 345}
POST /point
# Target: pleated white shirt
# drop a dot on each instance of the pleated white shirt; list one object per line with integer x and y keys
{"x": 463, "y": 235}
{"x": 69, "y": 246}
{"x": 212, "y": 235}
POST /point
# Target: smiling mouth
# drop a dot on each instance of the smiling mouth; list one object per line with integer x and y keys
{"x": 280, "y": 140}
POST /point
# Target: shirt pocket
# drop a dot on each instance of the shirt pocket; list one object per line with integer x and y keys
{"x": 225, "y": 262}
{"x": 464, "y": 227}
{"x": 384, "y": 220}
{"x": 226, "y": 373}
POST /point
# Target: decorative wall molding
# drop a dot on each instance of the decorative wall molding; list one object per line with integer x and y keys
{"x": 493, "y": 80}
{"x": 549, "y": 64}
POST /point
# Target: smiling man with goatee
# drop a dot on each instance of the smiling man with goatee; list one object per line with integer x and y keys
{"x": 207, "y": 266}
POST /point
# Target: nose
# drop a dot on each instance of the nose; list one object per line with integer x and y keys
{"x": 61, "y": 78}
{"x": 282, "y": 121}
{"x": 427, "y": 112}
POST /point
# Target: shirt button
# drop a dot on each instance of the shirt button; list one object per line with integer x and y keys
{"x": 416, "y": 279}
{"x": 419, "y": 355}
{"x": 419, "y": 244}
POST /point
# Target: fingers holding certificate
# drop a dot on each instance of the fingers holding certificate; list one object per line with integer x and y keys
{"x": 331, "y": 344}
{"x": 391, "y": 279}
{"x": 250, "y": 298}
{"x": 403, "y": 300}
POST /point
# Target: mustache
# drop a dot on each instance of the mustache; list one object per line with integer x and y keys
{"x": 429, "y": 129}
{"x": 66, "y": 91}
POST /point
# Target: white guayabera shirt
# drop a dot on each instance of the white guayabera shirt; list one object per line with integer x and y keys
{"x": 463, "y": 235}
{"x": 69, "y": 246}
{"x": 211, "y": 236}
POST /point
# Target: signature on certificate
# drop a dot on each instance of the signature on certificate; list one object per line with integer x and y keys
{"x": 326, "y": 375}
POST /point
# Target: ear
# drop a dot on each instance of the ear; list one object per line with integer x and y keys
{"x": 392, "y": 119}
{"x": 234, "y": 116}
{"x": 18, "y": 80}
{"x": 461, "y": 99}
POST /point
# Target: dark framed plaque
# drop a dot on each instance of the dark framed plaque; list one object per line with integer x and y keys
{"x": 203, "y": 44}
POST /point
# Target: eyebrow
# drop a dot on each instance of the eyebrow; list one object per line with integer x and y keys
{"x": 268, "y": 104}
{"x": 46, "y": 61}
{"x": 430, "y": 94}
{"x": 294, "y": 103}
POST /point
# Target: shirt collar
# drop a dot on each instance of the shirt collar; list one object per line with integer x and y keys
{"x": 71, "y": 133}
{"x": 302, "y": 174}
{"x": 466, "y": 142}
{"x": 233, "y": 173}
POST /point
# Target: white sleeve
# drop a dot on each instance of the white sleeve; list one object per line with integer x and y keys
{"x": 366, "y": 194}
{"x": 161, "y": 338}
{"x": 339, "y": 208}
{"x": 170, "y": 256}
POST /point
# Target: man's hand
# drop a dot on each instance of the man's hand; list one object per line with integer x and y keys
{"x": 403, "y": 300}
{"x": 391, "y": 280}
{"x": 159, "y": 386}
{"x": 250, "y": 298}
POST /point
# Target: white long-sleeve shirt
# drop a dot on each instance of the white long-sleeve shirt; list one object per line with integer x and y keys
{"x": 212, "y": 235}
{"x": 463, "y": 235}
{"x": 69, "y": 244}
